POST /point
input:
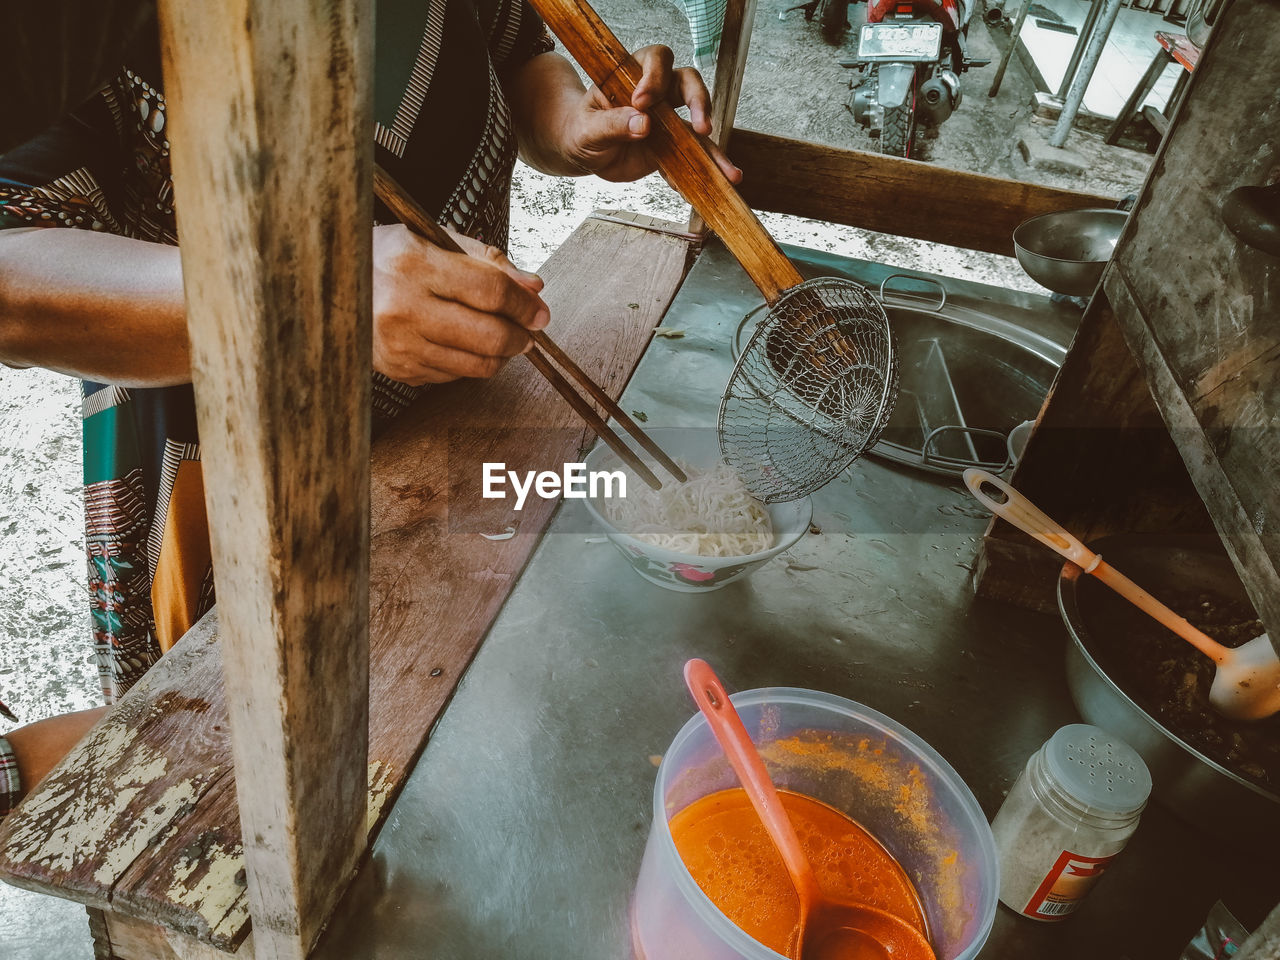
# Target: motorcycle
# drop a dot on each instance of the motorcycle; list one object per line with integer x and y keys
{"x": 911, "y": 54}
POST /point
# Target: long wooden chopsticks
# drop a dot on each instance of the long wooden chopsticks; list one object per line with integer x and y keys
{"x": 411, "y": 214}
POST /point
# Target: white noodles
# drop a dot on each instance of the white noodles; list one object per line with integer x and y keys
{"x": 711, "y": 515}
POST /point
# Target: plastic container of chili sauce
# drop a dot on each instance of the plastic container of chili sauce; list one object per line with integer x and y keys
{"x": 855, "y": 760}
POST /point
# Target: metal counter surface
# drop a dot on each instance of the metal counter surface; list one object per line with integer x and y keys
{"x": 520, "y": 832}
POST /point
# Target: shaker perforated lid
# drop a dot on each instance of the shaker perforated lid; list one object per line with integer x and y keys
{"x": 1099, "y": 769}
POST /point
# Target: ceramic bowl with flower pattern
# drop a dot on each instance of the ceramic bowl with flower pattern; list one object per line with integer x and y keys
{"x": 686, "y": 572}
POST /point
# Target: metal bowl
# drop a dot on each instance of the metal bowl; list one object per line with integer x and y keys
{"x": 1184, "y": 780}
{"x": 687, "y": 572}
{"x": 1067, "y": 251}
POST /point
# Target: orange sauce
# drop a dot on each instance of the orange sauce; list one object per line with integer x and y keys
{"x": 725, "y": 848}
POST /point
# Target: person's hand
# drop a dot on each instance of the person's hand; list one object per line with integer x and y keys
{"x": 438, "y": 315}
{"x": 610, "y": 141}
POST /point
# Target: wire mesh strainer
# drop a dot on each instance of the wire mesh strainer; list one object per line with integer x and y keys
{"x": 814, "y": 387}
{"x": 816, "y": 384}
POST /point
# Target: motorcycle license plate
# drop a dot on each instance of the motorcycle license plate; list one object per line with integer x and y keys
{"x": 900, "y": 41}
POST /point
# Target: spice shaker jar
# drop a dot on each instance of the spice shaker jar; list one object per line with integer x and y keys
{"x": 1069, "y": 813}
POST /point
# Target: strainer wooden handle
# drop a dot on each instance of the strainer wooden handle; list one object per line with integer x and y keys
{"x": 682, "y": 157}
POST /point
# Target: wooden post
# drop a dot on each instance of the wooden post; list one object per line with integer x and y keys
{"x": 961, "y": 209}
{"x": 271, "y": 122}
{"x": 731, "y": 64}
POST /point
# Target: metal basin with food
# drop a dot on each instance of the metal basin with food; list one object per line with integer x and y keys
{"x": 1066, "y": 251}
{"x": 1130, "y": 676}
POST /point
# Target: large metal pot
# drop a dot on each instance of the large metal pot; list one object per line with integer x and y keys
{"x": 968, "y": 377}
{"x": 1184, "y": 780}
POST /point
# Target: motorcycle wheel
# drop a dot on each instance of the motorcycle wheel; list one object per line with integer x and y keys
{"x": 899, "y": 133}
{"x": 834, "y": 20}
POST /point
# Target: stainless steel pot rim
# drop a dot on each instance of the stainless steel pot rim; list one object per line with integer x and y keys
{"x": 1036, "y": 344}
{"x": 1070, "y": 614}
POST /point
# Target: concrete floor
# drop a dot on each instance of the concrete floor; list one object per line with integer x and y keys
{"x": 38, "y": 927}
{"x": 794, "y": 87}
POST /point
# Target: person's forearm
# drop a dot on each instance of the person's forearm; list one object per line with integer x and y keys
{"x": 93, "y": 305}
{"x": 545, "y": 96}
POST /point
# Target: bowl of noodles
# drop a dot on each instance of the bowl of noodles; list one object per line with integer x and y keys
{"x": 699, "y": 535}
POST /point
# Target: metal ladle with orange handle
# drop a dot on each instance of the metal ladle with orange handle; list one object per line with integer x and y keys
{"x": 1246, "y": 683}
{"x": 829, "y": 929}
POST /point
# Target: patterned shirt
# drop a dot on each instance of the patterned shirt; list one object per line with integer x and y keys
{"x": 443, "y": 129}
{"x": 10, "y": 785}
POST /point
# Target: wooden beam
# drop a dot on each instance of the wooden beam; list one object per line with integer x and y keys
{"x": 116, "y": 937}
{"x": 1233, "y": 458}
{"x": 731, "y": 65}
{"x": 892, "y": 195}
{"x": 270, "y": 112}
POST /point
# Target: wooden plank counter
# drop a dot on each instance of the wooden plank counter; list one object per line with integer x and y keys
{"x": 140, "y": 820}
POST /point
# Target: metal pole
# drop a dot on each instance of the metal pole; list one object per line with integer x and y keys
{"x": 1013, "y": 45}
{"x": 1092, "y": 54}
{"x": 1086, "y": 31}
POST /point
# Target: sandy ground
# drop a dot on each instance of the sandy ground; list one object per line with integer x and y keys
{"x": 793, "y": 87}
{"x": 45, "y": 656}
{"x": 44, "y": 647}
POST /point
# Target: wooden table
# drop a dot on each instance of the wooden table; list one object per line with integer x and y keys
{"x": 140, "y": 823}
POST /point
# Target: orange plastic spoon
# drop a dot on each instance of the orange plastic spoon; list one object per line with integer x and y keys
{"x": 829, "y": 929}
{"x": 1246, "y": 683}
